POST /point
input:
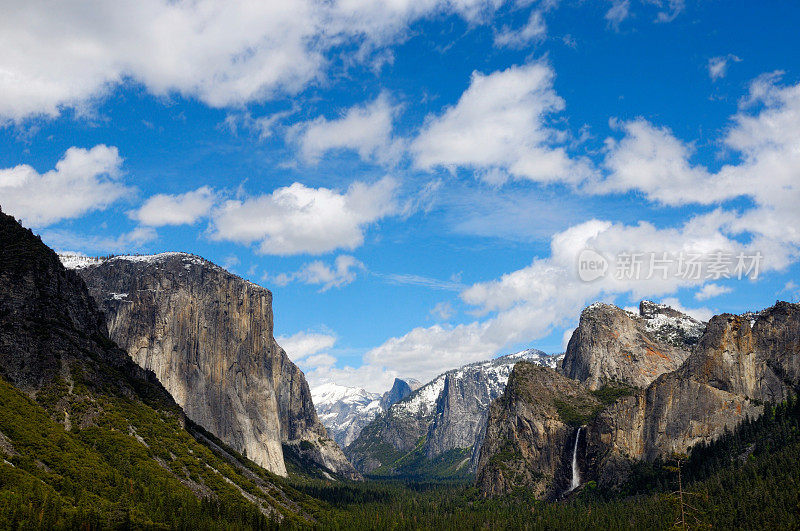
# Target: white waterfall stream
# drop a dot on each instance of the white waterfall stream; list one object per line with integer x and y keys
{"x": 576, "y": 473}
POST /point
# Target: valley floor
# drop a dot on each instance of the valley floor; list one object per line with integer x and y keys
{"x": 761, "y": 493}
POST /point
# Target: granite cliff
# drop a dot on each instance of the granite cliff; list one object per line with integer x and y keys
{"x": 531, "y": 431}
{"x": 737, "y": 364}
{"x": 615, "y": 345}
{"x": 208, "y": 337}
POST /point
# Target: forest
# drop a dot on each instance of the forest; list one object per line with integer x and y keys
{"x": 94, "y": 479}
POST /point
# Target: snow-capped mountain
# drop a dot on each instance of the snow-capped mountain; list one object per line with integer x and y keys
{"x": 441, "y": 423}
{"x": 346, "y": 410}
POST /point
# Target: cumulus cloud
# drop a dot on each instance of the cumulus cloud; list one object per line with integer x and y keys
{"x": 82, "y": 181}
{"x": 301, "y": 345}
{"x": 533, "y": 31}
{"x": 365, "y": 129}
{"x": 344, "y": 271}
{"x": 178, "y": 209}
{"x": 765, "y": 133}
{"x": 298, "y": 219}
{"x": 373, "y": 378}
{"x": 499, "y": 127}
{"x": 57, "y": 55}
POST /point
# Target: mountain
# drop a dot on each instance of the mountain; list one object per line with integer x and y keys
{"x": 401, "y": 388}
{"x": 208, "y": 337}
{"x": 435, "y": 430}
{"x": 737, "y": 364}
{"x": 88, "y": 437}
{"x": 614, "y": 345}
{"x": 346, "y": 410}
{"x": 529, "y": 434}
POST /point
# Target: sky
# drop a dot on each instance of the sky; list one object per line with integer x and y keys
{"x": 420, "y": 183}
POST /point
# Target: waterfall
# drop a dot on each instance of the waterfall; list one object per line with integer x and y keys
{"x": 576, "y": 473}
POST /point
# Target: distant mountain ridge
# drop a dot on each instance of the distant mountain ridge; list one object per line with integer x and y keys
{"x": 346, "y": 410}
{"x": 437, "y": 429}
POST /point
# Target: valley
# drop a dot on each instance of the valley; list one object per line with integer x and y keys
{"x": 149, "y": 391}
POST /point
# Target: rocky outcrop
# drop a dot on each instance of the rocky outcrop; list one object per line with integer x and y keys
{"x": 531, "y": 431}
{"x": 208, "y": 337}
{"x": 737, "y": 364}
{"x": 51, "y": 332}
{"x": 401, "y": 388}
{"x": 612, "y": 345}
{"x": 440, "y": 425}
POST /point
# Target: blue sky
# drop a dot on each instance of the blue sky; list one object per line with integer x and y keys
{"x": 414, "y": 181}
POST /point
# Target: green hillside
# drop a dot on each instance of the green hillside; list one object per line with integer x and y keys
{"x": 134, "y": 465}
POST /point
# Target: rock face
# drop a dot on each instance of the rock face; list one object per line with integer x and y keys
{"x": 50, "y": 328}
{"x": 531, "y": 432}
{"x": 435, "y": 429}
{"x": 738, "y": 363}
{"x": 613, "y": 345}
{"x": 208, "y": 337}
{"x": 401, "y": 388}
{"x": 346, "y": 410}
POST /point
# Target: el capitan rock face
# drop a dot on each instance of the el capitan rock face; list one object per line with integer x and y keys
{"x": 737, "y": 364}
{"x": 208, "y": 337}
{"x": 614, "y": 345}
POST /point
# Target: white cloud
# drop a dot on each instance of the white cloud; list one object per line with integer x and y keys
{"x": 304, "y": 344}
{"x": 653, "y": 161}
{"x": 365, "y": 129}
{"x": 710, "y": 291}
{"x": 409, "y": 279}
{"x": 500, "y": 124}
{"x": 82, "y": 181}
{"x": 373, "y": 378}
{"x": 672, "y": 8}
{"x": 298, "y": 219}
{"x": 618, "y": 12}
{"x": 343, "y": 272}
{"x": 177, "y": 209}
{"x": 263, "y": 126}
{"x": 534, "y": 30}
{"x": 718, "y": 66}
{"x": 65, "y": 54}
